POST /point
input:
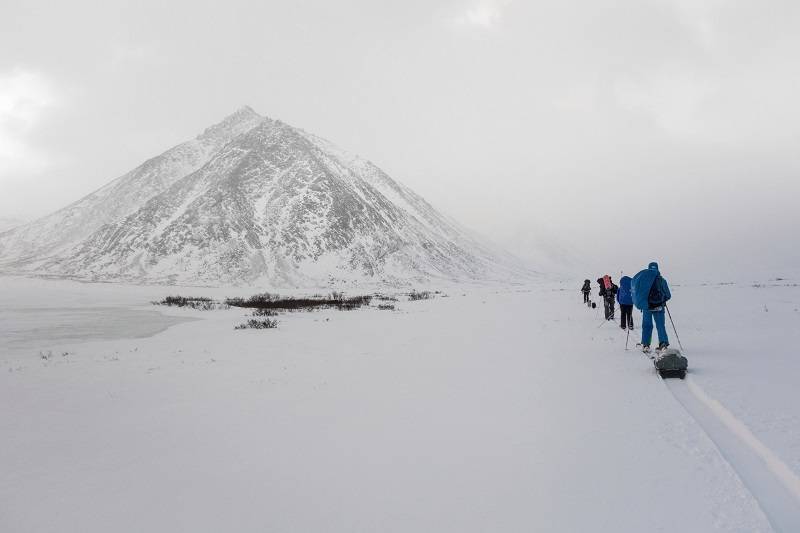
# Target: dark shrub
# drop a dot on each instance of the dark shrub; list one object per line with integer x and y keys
{"x": 272, "y": 301}
{"x": 258, "y": 324}
{"x": 419, "y": 295}
{"x": 194, "y": 302}
{"x": 264, "y": 312}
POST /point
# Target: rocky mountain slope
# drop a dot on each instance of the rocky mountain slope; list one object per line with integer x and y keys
{"x": 7, "y": 223}
{"x": 253, "y": 200}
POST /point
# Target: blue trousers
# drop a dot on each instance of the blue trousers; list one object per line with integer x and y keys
{"x": 647, "y": 326}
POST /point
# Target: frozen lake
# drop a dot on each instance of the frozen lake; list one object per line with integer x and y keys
{"x": 39, "y": 327}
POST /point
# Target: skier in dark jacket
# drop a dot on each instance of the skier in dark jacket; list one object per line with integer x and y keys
{"x": 650, "y": 294}
{"x": 608, "y": 291}
{"x": 586, "y": 289}
{"x": 602, "y": 294}
{"x": 625, "y": 300}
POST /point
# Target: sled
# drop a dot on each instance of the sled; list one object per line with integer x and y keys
{"x": 671, "y": 364}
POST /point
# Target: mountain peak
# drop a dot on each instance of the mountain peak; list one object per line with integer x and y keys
{"x": 239, "y": 121}
{"x": 244, "y": 111}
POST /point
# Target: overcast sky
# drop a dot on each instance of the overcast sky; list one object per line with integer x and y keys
{"x": 619, "y": 130}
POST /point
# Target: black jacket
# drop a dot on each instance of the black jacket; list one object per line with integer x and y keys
{"x": 612, "y": 292}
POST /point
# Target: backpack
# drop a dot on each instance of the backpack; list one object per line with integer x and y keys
{"x": 624, "y": 296}
{"x": 655, "y": 298}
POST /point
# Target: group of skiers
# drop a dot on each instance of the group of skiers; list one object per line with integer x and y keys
{"x": 647, "y": 290}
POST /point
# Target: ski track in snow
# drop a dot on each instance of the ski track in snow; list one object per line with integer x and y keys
{"x": 771, "y": 482}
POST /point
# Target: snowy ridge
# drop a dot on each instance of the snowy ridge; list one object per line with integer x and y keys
{"x": 122, "y": 196}
{"x": 8, "y": 223}
{"x": 254, "y": 200}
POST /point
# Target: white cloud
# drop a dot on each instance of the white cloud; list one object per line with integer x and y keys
{"x": 24, "y": 98}
{"x": 482, "y": 14}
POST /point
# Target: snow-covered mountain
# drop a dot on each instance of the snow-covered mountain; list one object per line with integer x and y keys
{"x": 249, "y": 200}
{"x": 59, "y": 231}
{"x": 7, "y": 223}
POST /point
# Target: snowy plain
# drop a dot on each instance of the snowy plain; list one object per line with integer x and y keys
{"x": 484, "y": 409}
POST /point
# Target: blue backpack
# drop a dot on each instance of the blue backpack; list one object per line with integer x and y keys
{"x": 640, "y": 288}
{"x": 649, "y": 289}
{"x": 624, "y": 296}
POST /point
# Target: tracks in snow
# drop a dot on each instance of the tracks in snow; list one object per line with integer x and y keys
{"x": 772, "y": 483}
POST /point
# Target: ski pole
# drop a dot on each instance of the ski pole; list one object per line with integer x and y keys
{"x": 604, "y": 322}
{"x": 673, "y": 326}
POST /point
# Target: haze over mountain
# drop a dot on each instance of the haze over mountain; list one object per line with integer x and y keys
{"x": 253, "y": 200}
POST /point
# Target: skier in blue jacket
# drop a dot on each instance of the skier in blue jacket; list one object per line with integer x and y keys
{"x": 650, "y": 293}
{"x": 625, "y": 300}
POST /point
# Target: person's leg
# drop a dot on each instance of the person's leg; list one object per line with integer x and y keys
{"x": 623, "y": 316}
{"x": 611, "y": 306}
{"x": 647, "y": 327}
{"x": 629, "y": 311}
{"x": 661, "y": 327}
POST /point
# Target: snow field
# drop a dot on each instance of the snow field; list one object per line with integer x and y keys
{"x": 484, "y": 410}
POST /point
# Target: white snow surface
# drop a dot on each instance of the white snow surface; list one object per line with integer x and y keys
{"x": 254, "y": 200}
{"x": 508, "y": 409}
